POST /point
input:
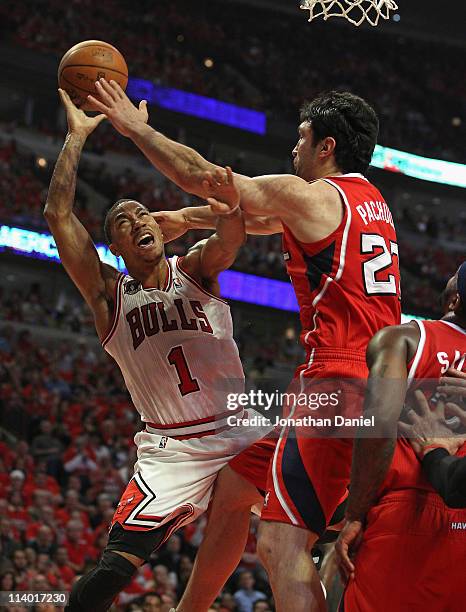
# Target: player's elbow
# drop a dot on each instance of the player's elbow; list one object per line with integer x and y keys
{"x": 50, "y": 214}
{"x": 53, "y": 213}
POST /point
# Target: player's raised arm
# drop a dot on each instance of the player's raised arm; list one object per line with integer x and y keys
{"x": 78, "y": 254}
{"x": 280, "y": 196}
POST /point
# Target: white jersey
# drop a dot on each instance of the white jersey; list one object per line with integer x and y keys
{"x": 176, "y": 351}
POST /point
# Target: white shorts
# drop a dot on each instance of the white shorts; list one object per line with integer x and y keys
{"x": 173, "y": 479}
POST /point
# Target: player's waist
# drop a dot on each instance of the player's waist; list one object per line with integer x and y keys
{"x": 323, "y": 353}
{"x": 198, "y": 428}
{"x": 419, "y": 496}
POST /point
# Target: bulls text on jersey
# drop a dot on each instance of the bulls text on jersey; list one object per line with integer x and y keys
{"x": 150, "y": 319}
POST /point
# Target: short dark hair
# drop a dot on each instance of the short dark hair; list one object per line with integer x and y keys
{"x": 108, "y": 218}
{"x": 351, "y": 121}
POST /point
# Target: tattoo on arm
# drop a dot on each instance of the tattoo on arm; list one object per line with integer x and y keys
{"x": 62, "y": 189}
{"x": 78, "y": 254}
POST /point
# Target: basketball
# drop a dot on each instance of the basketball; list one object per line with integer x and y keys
{"x": 84, "y": 64}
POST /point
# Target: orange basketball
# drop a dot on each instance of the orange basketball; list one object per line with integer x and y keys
{"x": 84, "y": 64}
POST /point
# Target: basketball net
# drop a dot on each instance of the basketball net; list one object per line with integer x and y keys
{"x": 355, "y": 11}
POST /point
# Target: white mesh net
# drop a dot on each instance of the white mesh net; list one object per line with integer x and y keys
{"x": 355, "y": 11}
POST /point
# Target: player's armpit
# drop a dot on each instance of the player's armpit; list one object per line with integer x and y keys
{"x": 262, "y": 226}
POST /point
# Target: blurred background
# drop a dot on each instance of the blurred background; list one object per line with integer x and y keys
{"x": 66, "y": 419}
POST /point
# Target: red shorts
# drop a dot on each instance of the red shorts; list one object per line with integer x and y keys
{"x": 305, "y": 473}
{"x": 412, "y": 557}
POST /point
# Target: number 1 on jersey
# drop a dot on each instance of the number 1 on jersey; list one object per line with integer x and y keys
{"x": 187, "y": 383}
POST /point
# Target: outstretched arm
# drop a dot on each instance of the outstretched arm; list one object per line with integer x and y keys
{"x": 209, "y": 257}
{"x": 282, "y": 196}
{"x": 78, "y": 254}
{"x": 175, "y": 223}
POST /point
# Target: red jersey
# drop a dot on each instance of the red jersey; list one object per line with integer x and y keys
{"x": 442, "y": 345}
{"x": 348, "y": 284}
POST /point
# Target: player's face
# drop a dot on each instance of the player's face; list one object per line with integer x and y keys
{"x": 305, "y": 154}
{"x": 135, "y": 234}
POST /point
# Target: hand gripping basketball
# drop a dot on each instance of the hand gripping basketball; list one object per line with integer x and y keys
{"x": 117, "y": 107}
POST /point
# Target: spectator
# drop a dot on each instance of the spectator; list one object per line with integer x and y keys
{"x": 77, "y": 546}
{"x": 44, "y": 542}
{"x": 72, "y": 507}
{"x": 7, "y": 581}
{"x": 64, "y": 568}
{"x": 45, "y": 445}
{"x": 246, "y": 596}
{"x": 151, "y": 603}
{"x": 8, "y": 537}
{"x": 163, "y": 582}
{"x": 20, "y": 569}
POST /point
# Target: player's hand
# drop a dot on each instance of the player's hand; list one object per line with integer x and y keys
{"x": 346, "y": 546}
{"x": 173, "y": 224}
{"x": 428, "y": 430}
{"x": 78, "y": 122}
{"x": 117, "y": 107}
{"x": 453, "y": 384}
{"x": 224, "y": 196}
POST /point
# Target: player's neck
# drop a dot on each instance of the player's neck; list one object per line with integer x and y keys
{"x": 451, "y": 317}
{"x": 154, "y": 276}
{"x": 328, "y": 170}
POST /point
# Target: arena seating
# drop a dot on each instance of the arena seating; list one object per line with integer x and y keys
{"x": 66, "y": 452}
{"x": 420, "y": 103}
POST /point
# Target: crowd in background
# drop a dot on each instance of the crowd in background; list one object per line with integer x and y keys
{"x": 421, "y": 104}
